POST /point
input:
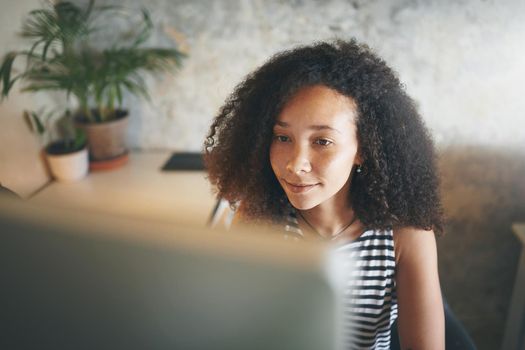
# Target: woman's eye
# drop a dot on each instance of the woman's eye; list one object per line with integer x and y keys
{"x": 281, "y": 138}
{"x": 323, "y": 142}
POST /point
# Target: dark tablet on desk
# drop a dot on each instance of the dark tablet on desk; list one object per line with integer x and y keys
{"x": 184, "y": 161}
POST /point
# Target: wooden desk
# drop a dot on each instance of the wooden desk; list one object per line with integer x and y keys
{"x": 138, "y": 189}
{"x": 515, "y": 330}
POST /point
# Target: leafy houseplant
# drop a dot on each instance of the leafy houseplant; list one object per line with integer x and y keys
{"x": 65, "y": 55}
{"x": 67, "y": 157}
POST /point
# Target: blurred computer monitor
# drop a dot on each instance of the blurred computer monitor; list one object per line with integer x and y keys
{"x": 72, "y": 280}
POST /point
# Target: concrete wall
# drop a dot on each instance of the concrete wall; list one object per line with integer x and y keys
{"x": 461, "y": 60}
{"x": 22, "y": 168}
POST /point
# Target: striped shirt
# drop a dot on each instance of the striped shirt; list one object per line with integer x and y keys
{"x": 369, "y": 302}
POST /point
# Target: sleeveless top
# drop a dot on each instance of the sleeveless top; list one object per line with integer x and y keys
{"x": 369, "y": 302}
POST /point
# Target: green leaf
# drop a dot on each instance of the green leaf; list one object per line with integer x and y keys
{"x": 5, "y": 70}
{"x": 119, "y": 94}
{"x": 27, "y": 120}
{"x": 146, "y": 29}
{"x": 39, "y": 126}
{"x": 34, "y": 122}
{"x": 136, "y": 88}
{"x": 80, "y": 139}
{"x": 30, "y": 53}
{"x": 46, "y": 47}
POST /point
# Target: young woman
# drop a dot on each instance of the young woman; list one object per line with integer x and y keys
{"x": 324, "y": 141}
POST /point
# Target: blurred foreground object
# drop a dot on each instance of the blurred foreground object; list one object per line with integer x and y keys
{"x": 87, "y": 281}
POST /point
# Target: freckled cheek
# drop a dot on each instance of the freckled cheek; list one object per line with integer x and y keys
{"x": 322, "y": 164}
{"x": 337, "y": 161}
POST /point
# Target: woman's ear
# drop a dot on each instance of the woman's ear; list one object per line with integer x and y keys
{"x": 358, "y": 159}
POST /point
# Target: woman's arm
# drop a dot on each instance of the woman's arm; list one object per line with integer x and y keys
{"x": 421, "y": 320}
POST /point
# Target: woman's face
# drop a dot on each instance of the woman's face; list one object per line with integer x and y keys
{"x": 314, "y": 147}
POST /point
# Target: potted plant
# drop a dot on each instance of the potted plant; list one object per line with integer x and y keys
{"x": 65, "y": 55}
{"x": 66, "y": 154}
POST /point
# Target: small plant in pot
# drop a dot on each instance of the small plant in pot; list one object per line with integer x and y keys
{"x": 66, "y": 55}
{"x": 67, "y": 156}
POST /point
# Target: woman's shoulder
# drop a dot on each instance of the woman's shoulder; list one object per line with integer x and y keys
{"x": 411, "y": 235}
{"x": 413, "y": 243}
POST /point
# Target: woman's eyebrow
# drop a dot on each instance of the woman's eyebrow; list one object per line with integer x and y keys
{"x": 313, "y": 127}
{"x": 323, "y": 127}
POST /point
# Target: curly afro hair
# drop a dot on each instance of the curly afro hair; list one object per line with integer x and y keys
{"x": 398, "y": 185}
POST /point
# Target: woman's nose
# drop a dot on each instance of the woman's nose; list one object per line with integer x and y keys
{"x": 299, "y": 161}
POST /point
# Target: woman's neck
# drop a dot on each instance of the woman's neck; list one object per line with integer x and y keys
{"x": 328, "y": 219}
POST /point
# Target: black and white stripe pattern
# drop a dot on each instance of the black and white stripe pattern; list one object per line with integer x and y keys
{"x": 369, "y": 302}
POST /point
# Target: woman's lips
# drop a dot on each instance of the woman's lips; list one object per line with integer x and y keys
{"x": 299, "y": 188}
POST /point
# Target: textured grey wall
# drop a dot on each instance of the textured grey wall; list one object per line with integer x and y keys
{"x": 22, "y": 168}
{"x": 461, "y": 60}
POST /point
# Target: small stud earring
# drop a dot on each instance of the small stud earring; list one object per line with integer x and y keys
{"x": 358, "y": 169}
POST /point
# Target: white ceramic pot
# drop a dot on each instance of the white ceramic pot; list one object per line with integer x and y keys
{"x": 70, "y": 166}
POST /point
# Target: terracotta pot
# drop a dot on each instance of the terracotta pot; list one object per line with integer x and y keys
{"x": 67, "y": 167}
{"x": 106, "y": 140}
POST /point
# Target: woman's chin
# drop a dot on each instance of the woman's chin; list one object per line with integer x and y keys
{"x": 302, "y": 205}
